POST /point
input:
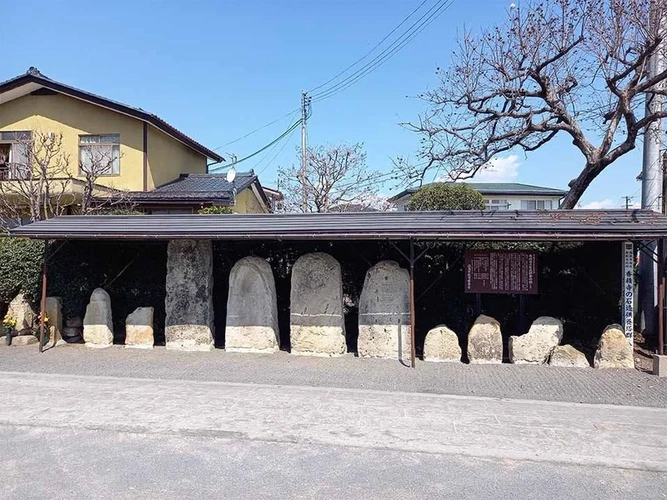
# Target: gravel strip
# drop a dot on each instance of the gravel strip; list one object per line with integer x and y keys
{"x": 577, "y": 385}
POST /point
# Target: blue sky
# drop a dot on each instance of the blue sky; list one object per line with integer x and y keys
{"x": 219, "y": 69}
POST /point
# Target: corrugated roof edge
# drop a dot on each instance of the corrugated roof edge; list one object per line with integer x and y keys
{"x": 557, "y": 225}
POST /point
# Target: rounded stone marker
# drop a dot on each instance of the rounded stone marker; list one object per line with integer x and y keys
{"x": 485, "y": 341}
{"x": 568, "y": 356}
{"x": 139, "y": 328}
{"x": 614, "y": 350}
{"x": 317, "y": 324}
{"x": 97, "y": 323}
{"x": 441, "y": 345}
{"x": 535, "y": 346}
{"x": 252, "y": 308}
{"x": 384, "y": 313}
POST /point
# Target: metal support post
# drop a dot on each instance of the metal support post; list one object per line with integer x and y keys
{"x": 43, "y": 309}
{"x": 412, "y": 304}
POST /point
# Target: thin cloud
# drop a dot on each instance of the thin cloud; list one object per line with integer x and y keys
{"x": 598, "y": 205}
{"x": 502, "y": 169}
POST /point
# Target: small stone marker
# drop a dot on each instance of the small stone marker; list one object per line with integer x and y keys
{"x": 21, "y": 310}
{"x": 317, "y": 325}
{"x": 568, "y": 356}
{"x": 660, "y": 365}
{"x": 189, "y": 295}
{"x": 384, "y": 313}
{"x": 252, "y": 308}
{"x": 54, "y": 311}
{"x": 23, "y": 340}
{"x": 139, "y": 328}
{"x": 73, "y": 330}
{"x": 442, "y": 344}
{"x": 97, "y": 323}
{"x": 485, "y": 341}
{"x": 613, "y": 349}
{"x": 535, "y": 346}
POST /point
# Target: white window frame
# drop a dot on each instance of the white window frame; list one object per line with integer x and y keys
{"x": 107, "y": 144}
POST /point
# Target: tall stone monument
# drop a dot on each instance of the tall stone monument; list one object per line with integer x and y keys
{"x": 317, "y": 323}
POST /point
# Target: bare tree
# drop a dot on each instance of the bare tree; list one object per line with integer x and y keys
{"x": 337, "y": 178}
{"x": 95, "y": 162}
{"x": 34, "y": 177}
{"x": 578, "y": 68}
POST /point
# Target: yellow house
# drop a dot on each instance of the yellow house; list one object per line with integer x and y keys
{"x": 141, "y": 152}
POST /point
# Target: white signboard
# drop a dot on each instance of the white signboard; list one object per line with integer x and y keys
{"x": 628, "y": 287}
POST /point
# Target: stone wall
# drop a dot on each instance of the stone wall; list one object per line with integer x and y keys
{"x": 189, "y": 295}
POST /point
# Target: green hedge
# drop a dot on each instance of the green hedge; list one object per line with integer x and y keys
{"x": 20, "y": 267}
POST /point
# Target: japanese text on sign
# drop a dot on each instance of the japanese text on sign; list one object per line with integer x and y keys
{"x": 628, "y": 287}
{"x": 501, "y": 271}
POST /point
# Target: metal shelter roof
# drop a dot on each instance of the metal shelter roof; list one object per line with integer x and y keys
{"x": 501, "y": 225}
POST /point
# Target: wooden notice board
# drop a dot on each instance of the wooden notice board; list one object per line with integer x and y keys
{"x": 501, "y": 271}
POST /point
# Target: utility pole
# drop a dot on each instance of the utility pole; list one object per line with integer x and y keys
{"x": 652, "y": 178}
{"x": 627, "y": 199}
{"x": 305, "y": 108}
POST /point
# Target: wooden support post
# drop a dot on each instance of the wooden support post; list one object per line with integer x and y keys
{"x": 412, "y": 304}
{"x": 522, "y": 315}
{"x": 43, "y": 309}
{"x": 661, "y": 297}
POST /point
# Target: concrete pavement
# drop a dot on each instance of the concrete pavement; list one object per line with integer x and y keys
{"x": 71, "y": 464}
{"x": 565, "y": 433}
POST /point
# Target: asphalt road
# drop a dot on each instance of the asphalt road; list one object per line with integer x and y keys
{"x": 70, "y": 436}
{"x": 84, "y": 464}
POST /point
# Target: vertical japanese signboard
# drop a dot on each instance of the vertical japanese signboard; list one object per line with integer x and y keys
{"x": 628, "y": 287}
{"x": 501, "y": 271}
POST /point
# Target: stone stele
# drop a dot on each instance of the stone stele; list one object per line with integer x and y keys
{"x": 252, "y": 308}
{"x": 568, "y": 356}
{"x": 317, "y": 324}
{"x": 97, "y": 323}
{"x": 614, "y": 350}
{"x": 442, "y": 344}
{"x": 384, "y": 313}
{"x": 534, "y": 347}
{"x": 139, "y": 328}
{"x": 54, "y": 311}
{"x": 189, "y": 295}
{"x": 21, "y": 310}
{"x": 485, "y": 341}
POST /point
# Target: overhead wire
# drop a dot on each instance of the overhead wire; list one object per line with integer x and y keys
{"x": 370, "y": 51}
{"x": 259, "y": 151}
{"x": 406, "y": 37}
{"x": 258, "y": 129}
{"x": 278, "y": 153}
{"x": 270, "y": 150}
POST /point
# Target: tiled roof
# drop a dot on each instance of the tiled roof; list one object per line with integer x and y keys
{"x": 34, "y": 76}
{"x": 200, "y": 187}
{"x": 498, "y": 188}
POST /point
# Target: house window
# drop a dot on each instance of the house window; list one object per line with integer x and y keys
{"x": 99, "y": 154}
{"x": 536, "y": 204}
{"x": 496, "y": 204}
{"x": 14, "y": 152}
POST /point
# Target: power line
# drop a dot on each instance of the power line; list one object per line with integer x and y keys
{"x": 268, "y": 152}
{"x": 406, "y": 37}
{"x": 370, "y": 51}
{"x": 258, "y": 129}
{"x": 252, "y": 155}
{"x": 278, "y": 153}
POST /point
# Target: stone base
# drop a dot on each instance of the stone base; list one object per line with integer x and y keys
{"x": 250, "y": 350}
{"x": 139, "y": 346}
{"x": 189, "y": 338}
{"x": 382, "y": 341}
{"x": 23, "y": 340}
{"x": 97, "y": 346}
{"x": 660, "y": 365}
{"x": 321, "y": 341}
{"x": 480, "y": 361}
{"x": 251, "y": 339}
